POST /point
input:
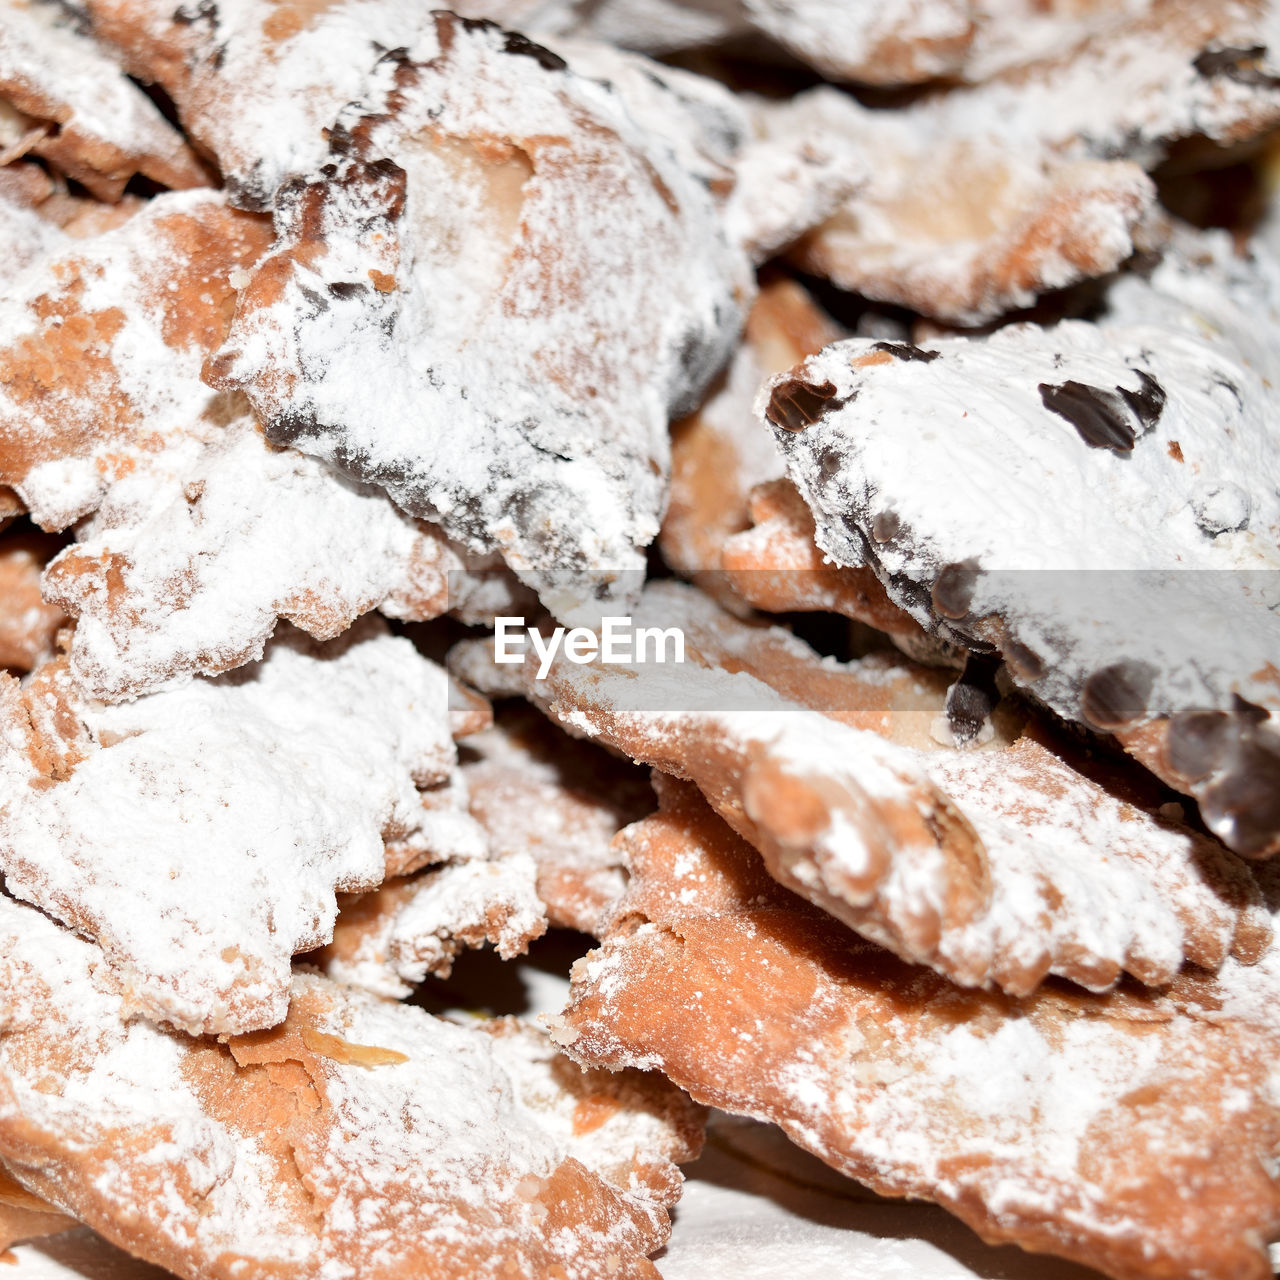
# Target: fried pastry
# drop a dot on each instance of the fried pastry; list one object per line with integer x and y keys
{"x": 974, "y": 202}
{"x": 954, "y": 217}
{"x": 101, "y": 346}
{"x": 24, "y": 1216}
{"x": 65, "y": 101}
{"x": 199, "y": 834}
{"x": 388, "y": 941}
{"x": 775, "y": 565}
{"x": 190, "y": 575}
{"x": 28, "y": 624}
{"x": 994, "y": 866}
{"x": 472, "y": 259}
{"x": 1110, "y": 518}
{"x": 1066, "y": 1123}
{"x": 358, "y": 1137}
{"x": 541, "y": 794}
{"x": 718, "y": 453}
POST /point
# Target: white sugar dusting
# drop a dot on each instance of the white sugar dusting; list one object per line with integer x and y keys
{"x": 232, "y": 809}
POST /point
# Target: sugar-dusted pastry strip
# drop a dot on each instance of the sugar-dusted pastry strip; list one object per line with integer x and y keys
{"x": 199, "y": 834}
{"x": 973, "y": 202}
{"x": 953, "y": 217}
{"x": 776, "y": 566}
{"x": 190, "y": 575}
{"x": 390, "y": 939}
{"x": 995, "y": 866}
{"x": 573, "y": 291}
{"x": 360, "y": 1137}
{"x": 719, "y": 453}
{"x": 1099, "y": 502}
{"x": 1065, "y": 1123}
{"x": 28, "y": 623}
{"x": 77, "y": 110}
{"x": 541, "y": 794}
{"x": 101, "y": 347}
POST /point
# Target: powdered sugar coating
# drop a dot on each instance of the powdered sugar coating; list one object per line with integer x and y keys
{"x": 361, "y": 1138}
{"x": 974, "y": 201}
{"x": 199, "y": 834}
{"x": 101, "y": 347}
{"x": 472, "y": 315}
{"x": 540, "y": 794}
{"x": 995, "y": 867}
{"x": 388, "y": 941}
{"x": 188, "y": 571}
{"x": 1064, "y": 1123}
{"x": 956, "y": 215}
{"x": 86, "y": 118}
{"x": 1067, "y": 567}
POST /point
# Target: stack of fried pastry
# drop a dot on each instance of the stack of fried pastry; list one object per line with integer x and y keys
{"x": 914, "y": 364}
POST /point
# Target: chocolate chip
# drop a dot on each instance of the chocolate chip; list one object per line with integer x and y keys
{"x": 1117, "y": 695}
{"x": 885, "y": 526}
{"x": 1244, "y": 806}
{"x": 1094, "y": 413}
{"x": 347, "y": 289}
{"x": 972, "y": 699}
{"x": 1147, "y": 402}
{"x": 340, "y": 140}
{"x": 795, "y": 404}
{"x": 1238, "y": 64}
{"x": 1198, "y": 742}
{"x": 906, "y": 351}
{"x": 1025, "y": 663}
{"x": 524, "y": 47}
{"x": 954, "y": 587}
{"x": 1248, "y": 711}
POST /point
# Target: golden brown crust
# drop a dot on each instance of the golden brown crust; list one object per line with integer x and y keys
{"x": 28, "y": 624}
{"x": 752, "y": 1001}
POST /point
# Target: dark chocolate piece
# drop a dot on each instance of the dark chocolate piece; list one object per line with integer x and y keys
{"x": 953, "y": 589}
{"x": 796, "y": 404}
{"x": 906, "y": 351}
{"x": 1094, "y": 413}
{"x": 1117, "y": 695}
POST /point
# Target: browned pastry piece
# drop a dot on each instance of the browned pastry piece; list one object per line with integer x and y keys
{"x": 25, "y": 185}
{"x": 776, "y": 566}
{"x": 607, "y": 297}
{"x": 63, "y": 99}
{"x": 100, "y": 350}
{"x": 28, "y": 624}
{"x": 25, "y": 1216}
{"x": 199, "y": 835}
{"x": 880, "y": 797}
{"x": 718, "y": 454}
{"x": 559, "y": 800}
{"x": 10, "y": 506}
{"x": 473, "y": 891}
{"x": 1065, "y": 1123}
{"x": 359, "y": 1137}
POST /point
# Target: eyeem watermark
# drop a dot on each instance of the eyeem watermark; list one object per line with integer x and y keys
{"x": 618, "y": 642}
